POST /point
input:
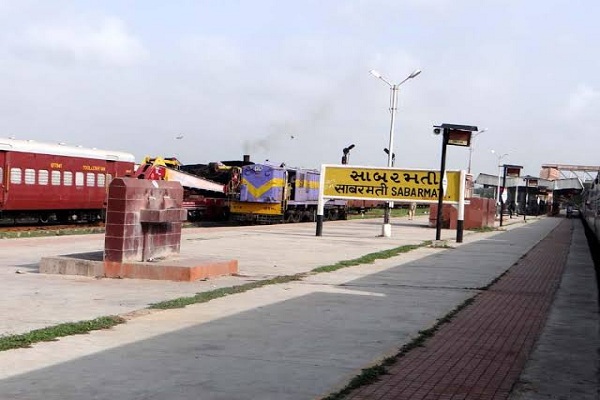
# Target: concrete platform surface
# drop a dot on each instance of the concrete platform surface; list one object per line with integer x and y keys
{"x": 299, "y": 340}
{"x": 34, "y": 300}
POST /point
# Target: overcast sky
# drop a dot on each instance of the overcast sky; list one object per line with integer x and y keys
{"x": 289, "y": 81}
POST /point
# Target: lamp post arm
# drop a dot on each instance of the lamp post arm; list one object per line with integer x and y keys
{"x": 405, "y": 79}
{"x": 386, "y": 81}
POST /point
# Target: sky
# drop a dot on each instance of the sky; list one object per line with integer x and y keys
{"x": 289, "y": 81}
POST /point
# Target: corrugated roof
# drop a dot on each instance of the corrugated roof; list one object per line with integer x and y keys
{"x": 492, "y": 180}
{"x": 569, "y": 183}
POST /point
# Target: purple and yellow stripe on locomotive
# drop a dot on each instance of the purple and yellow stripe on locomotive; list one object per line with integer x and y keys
{"x": 262, "y": 184}
{"x": 306, "y": 186}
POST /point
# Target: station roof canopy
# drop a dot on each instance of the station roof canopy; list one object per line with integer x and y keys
{"x": 558, "y": 184}
{"x": 583, "y": 172}
{"x": 492, "y": 180}
{"x": 567, "y": 184}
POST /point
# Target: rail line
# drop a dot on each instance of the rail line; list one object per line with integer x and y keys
{"x": 48, "y": 228}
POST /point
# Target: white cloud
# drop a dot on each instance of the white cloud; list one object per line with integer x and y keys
{"x": 209, "y": 51}
{"x": 237, "y": 78}
{"x": 581, "y": 101}
{"x": 107, "y": 42}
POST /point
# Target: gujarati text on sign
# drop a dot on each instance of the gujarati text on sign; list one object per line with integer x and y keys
{"x": 388, "y": 184}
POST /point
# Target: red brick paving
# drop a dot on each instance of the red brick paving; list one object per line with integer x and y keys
{"x": 480, "y": 354}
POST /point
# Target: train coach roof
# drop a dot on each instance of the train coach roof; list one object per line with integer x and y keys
{"x": 32, "y": 146}
{"x": 281, "y": 167}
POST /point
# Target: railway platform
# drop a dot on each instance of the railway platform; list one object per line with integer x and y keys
{"x": 529, "y": 328}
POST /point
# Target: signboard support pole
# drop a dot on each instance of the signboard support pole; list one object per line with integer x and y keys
{"x": 438, "y": 222}
{"x": 526, "y": 204}
{"x": 319, "y": 225}
{"x": 321, "y": 203}
{"x": 503, "y": 189}
{"x": 460, "y": 224}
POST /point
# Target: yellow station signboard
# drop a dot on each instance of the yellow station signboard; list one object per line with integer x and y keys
{"x": 389, "y": 184}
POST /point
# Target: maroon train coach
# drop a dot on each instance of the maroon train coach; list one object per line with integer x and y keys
{"x": 56, "y": 183}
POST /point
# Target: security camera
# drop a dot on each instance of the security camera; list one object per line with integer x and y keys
{"x": 437, "y": 130}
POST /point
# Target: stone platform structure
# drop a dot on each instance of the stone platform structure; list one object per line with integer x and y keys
{"x": 172, "y": 269}
{"x": 142, "y": 239}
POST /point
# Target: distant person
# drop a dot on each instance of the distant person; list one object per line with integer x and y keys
{"x": 569, "y": 211}
{"x": 412, "y": 209}
{"x": 511, "y": 209}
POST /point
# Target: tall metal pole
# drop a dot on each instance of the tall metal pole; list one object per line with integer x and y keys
{"x": 470, "y": 156}
{"x": 460, "y": 221}
{"x": 498, "y": 189}
{"x": 320, "y": 203}
{"x": 504, "y": 186}
{"x": 500, "y": 157}
{"x": 387, "y": 229}
{"x": 526, "y": 196}
{"x": 438, "y": 222}
{"x": 473, "y": 136}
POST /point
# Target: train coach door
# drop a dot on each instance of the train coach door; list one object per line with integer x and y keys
{"x": 111, "y": 172}
{"x": 3, "y": 178}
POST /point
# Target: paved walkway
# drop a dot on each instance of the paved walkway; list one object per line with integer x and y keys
{"x": 481, "y": 353}
{"x": 565, "y": 364}
{"x": 299, "y": 340}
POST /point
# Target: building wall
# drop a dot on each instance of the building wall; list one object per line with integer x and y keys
{"x": 480, "y": 213}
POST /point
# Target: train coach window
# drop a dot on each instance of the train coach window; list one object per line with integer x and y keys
{"x": 90, "y": 179}
{"x": 55, "y": 178}
{"x": 42, "y": 177}
{"x": 1, "y": 175}
{"x": 78, "y": 178}
{"x": 15, "y": 175}
{"x": 29, "y": 176}
{"x": 67, "y": 178}
{"x": 101, "y": 180}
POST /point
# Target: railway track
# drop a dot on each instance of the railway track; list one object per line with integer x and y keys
{"x": 49, "y": 230}
{"x": 16, "y": 231}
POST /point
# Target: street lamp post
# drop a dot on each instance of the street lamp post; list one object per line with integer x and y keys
{"x": 500, "y": 157}
{"x": 511, "y": 171}
{"x": 394, "y": 88}
{"x": 473, "y": 136}
{"x": 454, "y": 135}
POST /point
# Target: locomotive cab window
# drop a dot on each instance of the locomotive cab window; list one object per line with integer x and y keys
{"x": 42, "y": 177}
{"x": 15, "y": 176}
{"x": 68, "y": 178}
{"x": 55, "y": 178}
{"x": 29, "y": 176}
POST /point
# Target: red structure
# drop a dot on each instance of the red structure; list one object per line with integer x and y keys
{"x": 478, "y": 214}
{"x": 143, "y": 220}
{"x": 143, "y": 237}
{"x": 46, "y": 182}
